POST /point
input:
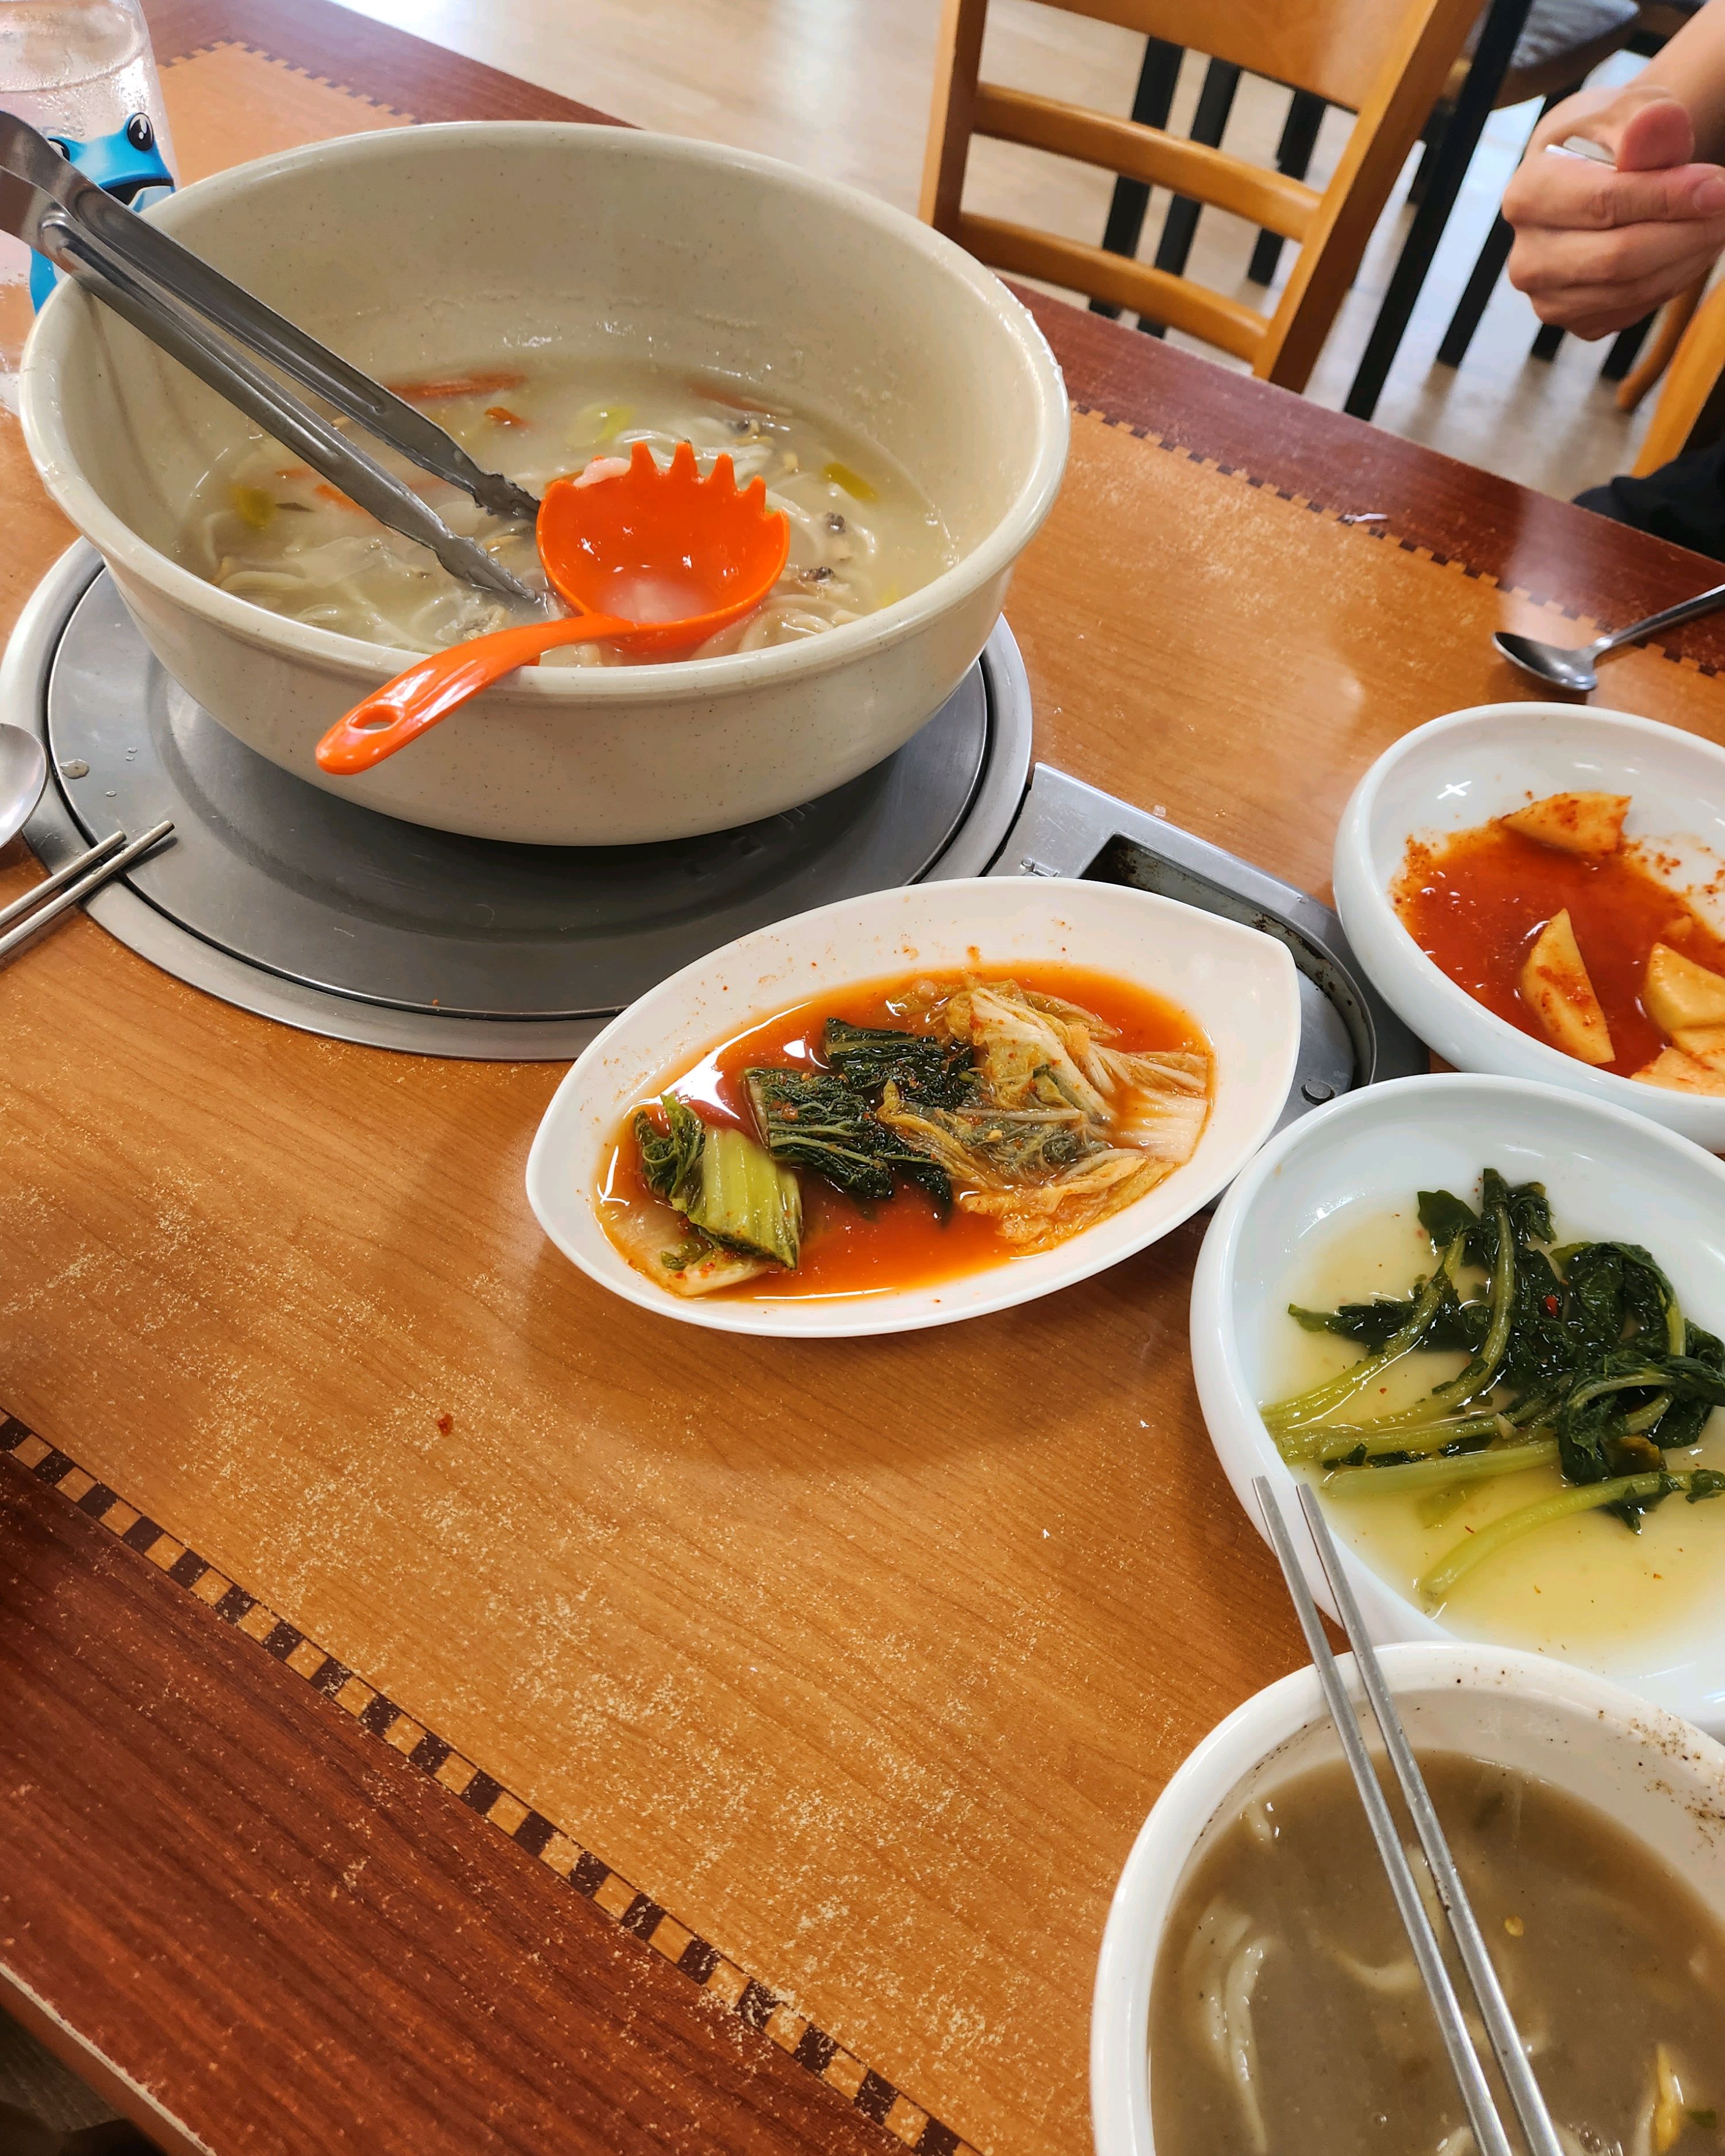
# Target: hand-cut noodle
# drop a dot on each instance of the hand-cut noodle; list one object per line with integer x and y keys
{"x": 270, "y": 531}
{"x": 1287, "y": 2014}
{"x": 1221, "y": 1972}
{"x": 1396, "y": 1979}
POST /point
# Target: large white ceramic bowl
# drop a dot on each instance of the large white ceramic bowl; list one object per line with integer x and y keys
{"x": 1459, "y": 772}
{"x": 418, "y": 247}
{"x": 1659, "y": 1779}
{"x": 1609, "y": 1174}
{"x": 1240, "y": 986}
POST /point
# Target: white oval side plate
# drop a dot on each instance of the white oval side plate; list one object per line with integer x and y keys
{"x": 1239, "y": 985}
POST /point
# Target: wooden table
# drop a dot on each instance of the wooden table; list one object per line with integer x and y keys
{"x": 444, "y": 1710}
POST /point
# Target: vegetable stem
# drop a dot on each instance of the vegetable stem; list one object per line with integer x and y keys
{"x": 1437, "y": 1584}
{"x": 1430, "y": 1434}
{"x": 1438, "y": 1473}
{"x": 1320, "y": 1399}
{"x": 1480, "y": 1374}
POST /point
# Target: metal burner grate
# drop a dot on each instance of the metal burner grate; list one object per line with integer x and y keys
{"x": 300, "y": 906}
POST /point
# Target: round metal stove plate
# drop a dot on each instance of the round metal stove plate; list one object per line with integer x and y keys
{"x": 335, "y": 918}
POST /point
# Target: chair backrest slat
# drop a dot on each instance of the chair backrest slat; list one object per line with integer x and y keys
{"x": 1268, "y": 198}
{"x": 1023, "y": 252}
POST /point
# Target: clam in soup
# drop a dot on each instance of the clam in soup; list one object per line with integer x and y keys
{"x": 1287, "y": 2017}
{"x": 271, "y": 530}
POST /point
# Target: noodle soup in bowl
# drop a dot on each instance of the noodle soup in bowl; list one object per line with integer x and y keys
{"x": 551, "y": 294}
{"x": 1317, "y": 2045}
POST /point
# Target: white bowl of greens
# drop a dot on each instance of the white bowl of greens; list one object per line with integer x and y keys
{"x": 1468, "y": 1481}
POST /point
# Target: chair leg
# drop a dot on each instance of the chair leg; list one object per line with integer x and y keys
{"x": 1429, "y": 142}
{"x": 1486, "y": 271}
{"x": 1477, "y": 293}
{"x": 1215, "y": 100}
{"x": 1152, "y": 102}
{"x": 1626, "y": 349}
{"x": 1545, "y": 344}
{"x": 1293, "y": 154}
{"x": 1503, "y": 26}
{"x": 1674, "y": 318}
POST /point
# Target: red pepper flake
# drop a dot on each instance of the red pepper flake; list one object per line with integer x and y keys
{"x": 1551, "y": 1305}
{"x": 446, "y": 1423}
{"x": 325, "y": 492}
{"x": 504, "y": 416}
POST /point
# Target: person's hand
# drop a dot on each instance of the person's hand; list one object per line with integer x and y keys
{"x": 1595, "y": 249}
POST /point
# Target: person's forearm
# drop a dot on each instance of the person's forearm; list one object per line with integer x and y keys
{"x": 1692, "y": 66}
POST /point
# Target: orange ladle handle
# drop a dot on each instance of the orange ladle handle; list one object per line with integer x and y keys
{"x": 398, "y": 713}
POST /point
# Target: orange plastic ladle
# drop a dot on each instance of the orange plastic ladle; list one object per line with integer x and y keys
{"x": 659, "y": 559}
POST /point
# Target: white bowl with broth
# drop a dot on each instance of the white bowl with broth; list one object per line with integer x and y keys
{"x": 612, "y": 272}
{"x": 1326, "y": 1214}
{"x": 1238, "y": 986}
{"x": 1660, "y": 1780}
{"x": 1461, "y": 771}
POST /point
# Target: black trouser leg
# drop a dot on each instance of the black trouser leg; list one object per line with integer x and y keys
{"x": 1683, "y": 502}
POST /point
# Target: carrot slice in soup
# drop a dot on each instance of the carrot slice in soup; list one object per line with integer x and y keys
{"x": 480, "y": 382}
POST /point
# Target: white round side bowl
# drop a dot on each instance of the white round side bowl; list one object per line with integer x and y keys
{"x": 1662, "y": 1780}
{"x": 1239, "y": 985}
{"x": 1459, "y": 772}
{"x": 1608, "y": 1172}
{"x": 418, "y": 247}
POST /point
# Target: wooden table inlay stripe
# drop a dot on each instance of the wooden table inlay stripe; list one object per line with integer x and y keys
{"x": 1385, "y": 529}
{"x": 332, "y": 45}
{"x": 751, "y": 2002}
{"x": 1529, "y": 541}
{"x": 456, "y": 1519}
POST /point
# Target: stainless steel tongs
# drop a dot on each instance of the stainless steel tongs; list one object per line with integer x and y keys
{"x": 220, "y": 332}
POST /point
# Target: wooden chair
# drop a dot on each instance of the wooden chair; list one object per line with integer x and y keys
{"x": 1385, "y": 60}
{"x": 1691, "y": 411}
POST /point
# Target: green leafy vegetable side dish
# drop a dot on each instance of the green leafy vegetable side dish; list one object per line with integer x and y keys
{"x": 1579, "y": 1356}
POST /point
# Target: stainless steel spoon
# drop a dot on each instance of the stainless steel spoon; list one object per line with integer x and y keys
{"x": 1571, "y": 666}
{"x": 23, "y": 773}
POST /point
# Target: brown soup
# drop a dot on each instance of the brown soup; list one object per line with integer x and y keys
{"x": 1287, "y": 2018}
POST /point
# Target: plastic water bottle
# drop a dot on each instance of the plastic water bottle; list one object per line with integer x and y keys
{"x": 79, "y": 70}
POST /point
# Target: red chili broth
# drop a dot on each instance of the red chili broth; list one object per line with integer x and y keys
{"x": 1475, "y": 902}
{"x": 902, "y": 1242}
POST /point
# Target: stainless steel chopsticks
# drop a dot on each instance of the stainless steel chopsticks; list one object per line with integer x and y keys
{"x": 215, "y": 328}
{"x": 70, "y": 886}
{"x": 1507, "y": 2044}
{"x": 1488, "y": 2128}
